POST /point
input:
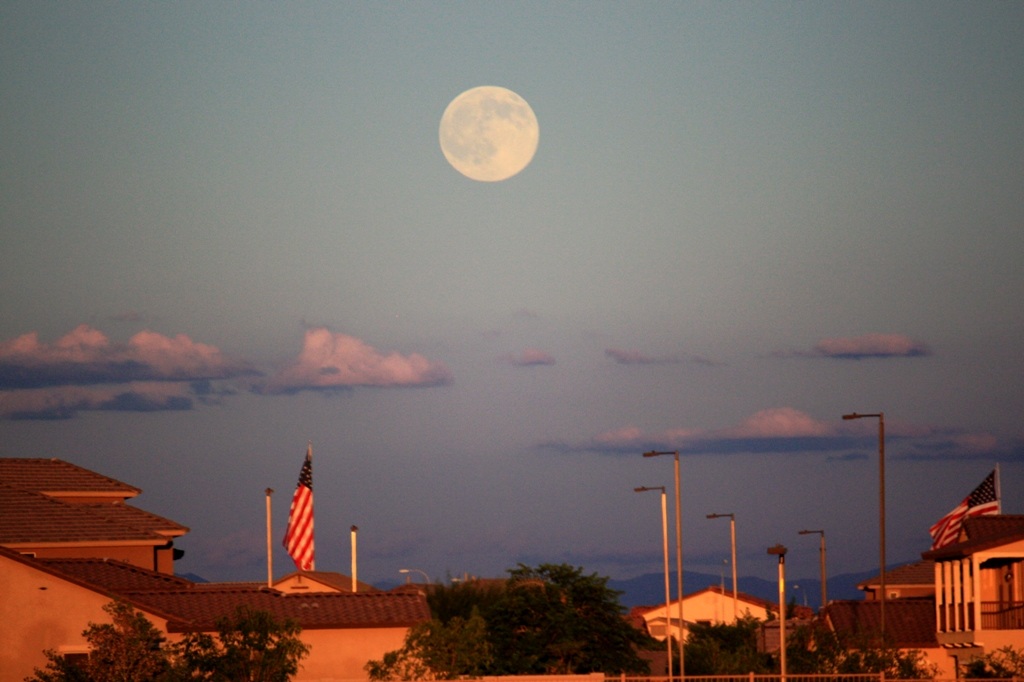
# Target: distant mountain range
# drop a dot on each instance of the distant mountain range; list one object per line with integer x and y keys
{"x": 649, "y": 589}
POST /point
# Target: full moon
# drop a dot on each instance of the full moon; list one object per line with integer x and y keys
{"x": 489, "y": 133}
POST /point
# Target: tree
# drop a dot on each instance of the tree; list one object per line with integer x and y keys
{"x": 815, "y": 649}
{"x": 552, "y": 619}
{"x": 436, "y": 650}
{"x": 128, "y": 649}
{"x": 250, "y": 647}
{"x": 724, "y": 649}
{"x": 1005, "y": 662}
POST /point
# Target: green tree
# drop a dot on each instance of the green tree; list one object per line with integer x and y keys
{"x": 1005, "y": 662}
{"x": 815, "y": 649}
{"x": 251, "y": 646}
{"x": 553, "y": 619}
{"x": 128, "y": 649}
{"x": 436, "y": 650}
{"x": 724, "y": 649}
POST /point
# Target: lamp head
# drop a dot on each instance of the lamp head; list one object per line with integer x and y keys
{"x": 778, "y": 550}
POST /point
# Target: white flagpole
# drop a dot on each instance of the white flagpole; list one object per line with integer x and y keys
{"x": 999, "y": 493}
{"x": 270, "y": 552}
{"x": 355, "y": 580}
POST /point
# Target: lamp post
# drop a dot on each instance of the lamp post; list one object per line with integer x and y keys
{"x": 732, "y": 542}
{"x": 679, "y": 553}
{"x": 780, "y": 551}
{"x": 664, "y": 544}
{"x": 408, "y": 577}
{"x": 821, "y": 552}
{"x": 881, "y": 510}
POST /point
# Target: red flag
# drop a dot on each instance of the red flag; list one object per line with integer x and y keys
{"x": 298, "y": 539}
{"x": 982, "y": 500}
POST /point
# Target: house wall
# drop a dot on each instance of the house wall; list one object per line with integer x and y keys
{"x": 39, "y": 611}
{"x": 338, "y": 655}
{"x": 136, "y": 555}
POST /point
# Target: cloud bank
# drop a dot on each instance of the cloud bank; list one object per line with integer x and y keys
{"x": 865, "y": 346}
{"x": 84, "y": 370}
{"x": 334, "y": 361}
{"x": 85, "y": 357}
{"x": 783, "y": 430}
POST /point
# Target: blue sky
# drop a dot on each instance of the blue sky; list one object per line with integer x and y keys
{"x": 228, "y": 229}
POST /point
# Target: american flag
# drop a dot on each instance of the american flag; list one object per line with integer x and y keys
{"x": 298, "y": 539}
{"x": 983, "y": 500}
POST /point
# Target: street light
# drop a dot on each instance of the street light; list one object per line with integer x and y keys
{"x": 821, "y": 551}
{"x": 664, "y": 543}
{"x": 407, "y": 571}
{"x": 679, "y": 552}
{"x": 780, "y": 551}
{"x": 881, "y": 510}
{"x": 732, "y": 538}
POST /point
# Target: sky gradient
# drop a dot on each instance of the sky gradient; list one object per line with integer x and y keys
{"x": 229, "y": 230}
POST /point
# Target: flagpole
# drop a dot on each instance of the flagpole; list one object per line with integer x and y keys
{"x": 309, "y": 454}
{"x": 355, "y": 581}
{"x": 999, "y": 493}
{"x": 270, "y": 552}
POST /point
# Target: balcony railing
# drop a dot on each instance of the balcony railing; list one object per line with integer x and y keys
{"x": 995, "y": 615}
{"x": 1001, "y": 615}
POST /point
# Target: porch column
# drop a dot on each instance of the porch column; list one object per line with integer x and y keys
{"x": 976, "y": 592}
{"x": 958, "y": 596}
{"x": 940, "y": 588}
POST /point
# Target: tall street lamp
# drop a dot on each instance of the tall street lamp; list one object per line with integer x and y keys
{"x": 679, "y": 552}
{"x": 732, "y": 539}
{"x": 780, "y": 551}
{"x": 881, "y": 510}
{"x": 664, "y": 544}
{"x": 821, "y": 551}
{"x": 408, "y": 571}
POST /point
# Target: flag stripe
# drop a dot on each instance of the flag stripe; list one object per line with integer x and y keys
{"x": 983, "y": 500}
{"x": 298, "y": 539}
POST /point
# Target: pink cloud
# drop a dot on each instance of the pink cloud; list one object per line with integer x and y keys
{"x": 530, "y": 357}
{"x": 85, "y": 356}
{"x": 871, "y": 346}
{"x": 780, "y": 422}
{"x": 331, "y": 360}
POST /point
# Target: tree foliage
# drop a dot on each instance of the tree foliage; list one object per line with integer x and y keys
{"x": 724, "y": 649}
{"x": 1005, "y": 662}
{"x": 128, "y": 649}
{"x": 815, "y": 649}
{"x": 251, "y": 647}
{"x": 551, "y": 619}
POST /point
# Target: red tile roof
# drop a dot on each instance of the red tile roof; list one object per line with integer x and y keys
{"x": 909, "y": 622}
{"x": 190, "y": 606}
{"x": 57, "y": 476}
{"x": 200, "y": 607}
{"x": 115, "y": 576}
{"x": 918, "y": 573}
{"x": 30, "y": 518}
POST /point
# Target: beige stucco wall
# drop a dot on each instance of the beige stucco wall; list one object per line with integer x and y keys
{"x": 38, "y": 612}
{"x": 338, "y": 655}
